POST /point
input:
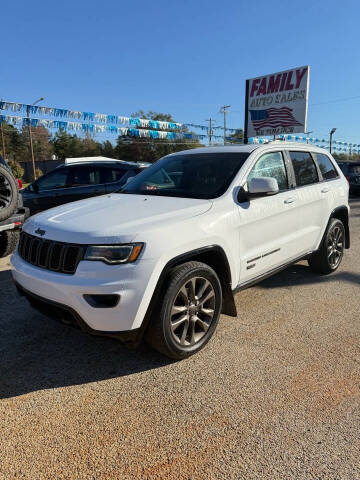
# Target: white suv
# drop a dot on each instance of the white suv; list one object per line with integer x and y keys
{"x": 164, "y": 256}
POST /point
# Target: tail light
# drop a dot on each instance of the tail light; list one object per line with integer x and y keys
{"x": 20, "y": 183}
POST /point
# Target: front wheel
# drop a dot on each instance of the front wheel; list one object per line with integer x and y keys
{"x": 189, "y": 311}
{"x": 8, "y": 242}
{"x": 328, "y": 258}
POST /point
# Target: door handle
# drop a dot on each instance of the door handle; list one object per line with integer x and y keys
{"x": 290, "y": 200}
{"x": 325, "y": 190}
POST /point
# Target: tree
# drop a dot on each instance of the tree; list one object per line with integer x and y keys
{"x": 13, "y": 141}
{"x": 43, "y": 149}
{"x": 151, "y": 115}
{"x": 346, "y": 157}
{"x": 90, "y": 148}
{"x": 107, "y": 149}
{"x": 66, "y": 145}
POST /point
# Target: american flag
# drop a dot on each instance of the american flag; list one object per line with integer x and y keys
{"x": 273, "y": 118}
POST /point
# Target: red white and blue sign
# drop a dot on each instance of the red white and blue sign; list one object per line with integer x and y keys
{"x": 277, "y": 103}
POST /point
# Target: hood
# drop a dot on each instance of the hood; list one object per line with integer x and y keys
{"x": 115, "y": 218}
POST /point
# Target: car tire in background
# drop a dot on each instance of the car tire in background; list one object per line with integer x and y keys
{"x": 8, "y": 242}
{"x": 188, "y": 313}
{"x": 9, "y": 193}
{"x": 328, "y": 258}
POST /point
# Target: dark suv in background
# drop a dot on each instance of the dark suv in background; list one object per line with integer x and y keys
{"x": 76, "y": 180}
{"x": 351, "y": 170}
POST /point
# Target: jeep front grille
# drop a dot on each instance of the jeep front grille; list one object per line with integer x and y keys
{"x": 49, "y": 254}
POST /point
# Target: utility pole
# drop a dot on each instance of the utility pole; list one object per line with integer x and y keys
{"x": 223, "y": 110}
{"x": 210, "y": 120}
{"x": 30, "y": 134}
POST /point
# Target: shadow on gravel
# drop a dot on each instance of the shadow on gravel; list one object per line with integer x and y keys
{"x": 301, "y": 275}
{"x": 37, "y": 353}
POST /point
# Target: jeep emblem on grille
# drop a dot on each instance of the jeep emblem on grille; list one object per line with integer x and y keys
{"x": 40, "y": 232}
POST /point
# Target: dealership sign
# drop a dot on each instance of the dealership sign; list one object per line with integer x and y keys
{"x": 277, "y": 103}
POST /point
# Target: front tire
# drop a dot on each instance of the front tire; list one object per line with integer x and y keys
{"x": 189, "y": 311}
{"x": 9, "y": 193}
{"x": 8, "y": 242}
{"x": 328, "y": 258}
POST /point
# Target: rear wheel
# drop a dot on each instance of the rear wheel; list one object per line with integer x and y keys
{"x": 189, "y": 312}
{"x": 8, "y": 242}
{"x": 328, "y": 258}
{"x": 8, "y": 193}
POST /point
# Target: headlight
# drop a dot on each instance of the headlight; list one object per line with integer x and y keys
{"x": 114, "y": 254}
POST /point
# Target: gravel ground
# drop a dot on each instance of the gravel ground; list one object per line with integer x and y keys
{"x": 274, "y": 395}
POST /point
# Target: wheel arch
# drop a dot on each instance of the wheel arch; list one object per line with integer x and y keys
{"x": 342, "y": 213}
{"x": 212, "y": 255}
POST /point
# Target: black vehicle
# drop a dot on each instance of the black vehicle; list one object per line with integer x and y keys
{"x": 76, "y": 180}
{"x": 12, "y": 212}
{"x": 351, "y": 170}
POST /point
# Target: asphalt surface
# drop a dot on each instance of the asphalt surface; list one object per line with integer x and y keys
{"x": 274, "y": 395}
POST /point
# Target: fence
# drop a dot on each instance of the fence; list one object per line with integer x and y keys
{"x": 45, "y": 166}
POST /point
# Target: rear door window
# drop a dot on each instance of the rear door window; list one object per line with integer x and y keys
{"x": 326, "y": 166}
{"x": 83, "y": 175}
{"x": 112, "y": 174}
{"x": 304, "y": 168}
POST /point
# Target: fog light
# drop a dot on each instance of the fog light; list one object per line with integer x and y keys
{"x": 102, "y": 301}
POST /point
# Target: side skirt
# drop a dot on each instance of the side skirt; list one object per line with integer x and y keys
{"x": 260, "y": 278}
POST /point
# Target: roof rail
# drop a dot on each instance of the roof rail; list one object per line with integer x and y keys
{"x": 68, "y": 161}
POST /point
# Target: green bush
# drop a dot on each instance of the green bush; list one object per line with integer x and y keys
{"x": 16, "y": 169}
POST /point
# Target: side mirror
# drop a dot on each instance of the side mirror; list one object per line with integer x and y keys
{"x": 263, "y": 186}
{"x": 258, "y": 187}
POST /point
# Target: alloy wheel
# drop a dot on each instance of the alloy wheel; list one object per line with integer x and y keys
{"x": 192, "y": 311}
{"x": 5, "y": 192}
{"x": 335, "y": 246}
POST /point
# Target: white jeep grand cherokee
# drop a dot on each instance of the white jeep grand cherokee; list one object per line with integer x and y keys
{"x": 164, "y": 256}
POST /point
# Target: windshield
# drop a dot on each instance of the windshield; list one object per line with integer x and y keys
{"x": 198, "y": 175}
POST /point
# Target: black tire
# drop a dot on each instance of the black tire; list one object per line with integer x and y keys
{"x": 9, "y": 193}
{"x": 8, "y": 242}
{"x": 328, "y": 258}
{"x": 192, "y": 334}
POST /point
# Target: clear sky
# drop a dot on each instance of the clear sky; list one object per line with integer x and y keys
{"x": 184, "y": 57}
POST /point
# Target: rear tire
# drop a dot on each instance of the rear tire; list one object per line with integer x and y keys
{"x": 8, "y": 242}
{"x": 188, "y": 313}
{"x": 9, "y": 193}
{"x": 328, "y": 258}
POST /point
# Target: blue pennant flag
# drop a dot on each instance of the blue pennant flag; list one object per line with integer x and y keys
{"x": 154, "y": 124}
{"x": 89, "y": 116}
{"x": 134, "y": 121}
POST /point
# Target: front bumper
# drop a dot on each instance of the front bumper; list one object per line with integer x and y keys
{"x": 129, "y": 281}
{"x": 16, "y": 220}
{"x": 67, "y": 315}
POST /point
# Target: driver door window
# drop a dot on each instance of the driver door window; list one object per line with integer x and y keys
{"x": 55, "y": 179}
{"x": 270, "y": 165}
